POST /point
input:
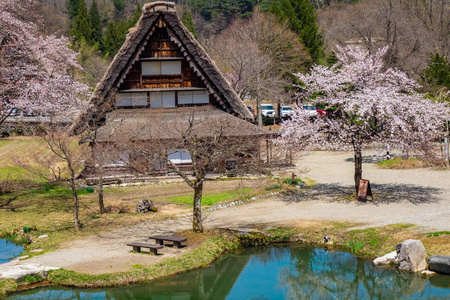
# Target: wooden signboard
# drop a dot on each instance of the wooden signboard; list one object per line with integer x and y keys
{"x": 364, "y": 189}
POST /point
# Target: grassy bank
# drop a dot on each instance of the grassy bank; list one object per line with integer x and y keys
{"x": 366, "y": 243}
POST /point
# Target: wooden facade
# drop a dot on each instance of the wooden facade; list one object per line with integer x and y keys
{"x": 161, "y": 52}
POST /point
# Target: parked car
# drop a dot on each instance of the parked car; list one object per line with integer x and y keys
{"x": 321, "y": 111}
{"x": 267, "y": 110}
{"x": 14, "y": 112}
{"x": 286, "y": 111}
{"x": 310, "y": 110}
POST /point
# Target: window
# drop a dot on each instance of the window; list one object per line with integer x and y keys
{"x": 162, "y": 99}
{"x": 123, "y": 100}
{"x": 180, "y": 156}
{"x": 161, "y": 68}
{"x": 131, "y": 99}
{"x": 193, "y": 97}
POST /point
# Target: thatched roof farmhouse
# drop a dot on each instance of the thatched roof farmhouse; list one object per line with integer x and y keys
{"x": 159, "y": 76}
{"x": 161, "y": 64}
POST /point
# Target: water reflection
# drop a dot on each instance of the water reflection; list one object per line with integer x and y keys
{"x": 8, "y": 250}
{"x": 275, "y": 273}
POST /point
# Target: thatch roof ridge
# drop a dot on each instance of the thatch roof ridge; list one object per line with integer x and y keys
{"x": 102, "y": 97}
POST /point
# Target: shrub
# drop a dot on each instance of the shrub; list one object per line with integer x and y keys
{"x": 289, "y": 180}
{"x": 273, "y": 187}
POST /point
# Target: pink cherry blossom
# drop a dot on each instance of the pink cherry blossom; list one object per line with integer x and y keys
{"x": 35, "y": 70}
{"x": 368, "y": 103}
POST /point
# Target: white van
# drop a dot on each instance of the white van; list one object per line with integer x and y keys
{"x": 267, "y": 110}
{"x": 286, "y": 111}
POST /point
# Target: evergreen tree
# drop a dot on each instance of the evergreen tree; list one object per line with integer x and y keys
{"x": 73, "y": 6}
{"x": 118, "y": 4}
{"x": 114, "y": 36}
{"x": 136, "y": 15}
{"x": 82, "y": 28}
{"x": 302, "y": 18}
{"x": 187, "y": 20}
{"x": 438, "y": 71}
{"x": 96, "y": 24}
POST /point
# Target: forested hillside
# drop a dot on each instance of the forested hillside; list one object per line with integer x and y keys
{"x": 416, "y": 31}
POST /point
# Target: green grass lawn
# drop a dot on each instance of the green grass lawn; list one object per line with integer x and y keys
{"x": 23, "y": 148}
{"x": 19, "y": 174}
{"x": 399, "y": 163}
{"x": 212, "y": 198}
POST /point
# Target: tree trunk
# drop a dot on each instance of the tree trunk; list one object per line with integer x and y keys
{"x": 197, "y": 217}
{"x": 76, "y": 204}
{"x": 100, "y": 190}
{"x": 405, "y": 154}
{"x": 358, "y": 162}
{"x": 259, "y": 113}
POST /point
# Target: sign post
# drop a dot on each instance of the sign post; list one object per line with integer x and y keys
{"x": 364, "y": 189}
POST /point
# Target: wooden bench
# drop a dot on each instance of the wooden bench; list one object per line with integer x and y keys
{"x": 161, "y": 238}
{"x": 138, "y": 245}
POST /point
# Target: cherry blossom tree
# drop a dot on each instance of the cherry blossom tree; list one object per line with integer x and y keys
{"x": 369, "y": 103}
{"x": 35, "y": 70}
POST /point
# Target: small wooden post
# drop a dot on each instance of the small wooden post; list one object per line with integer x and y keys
{"x": 293, "y": 179}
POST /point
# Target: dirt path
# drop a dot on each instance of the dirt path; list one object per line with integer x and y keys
{"x": 420, "y": 197}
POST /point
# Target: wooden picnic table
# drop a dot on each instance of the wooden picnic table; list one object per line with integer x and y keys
{"x": 161, "y": 238}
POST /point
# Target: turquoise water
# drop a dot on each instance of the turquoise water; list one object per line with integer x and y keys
{"x": 8, "y": 251}
{"x": 292, "y": 272}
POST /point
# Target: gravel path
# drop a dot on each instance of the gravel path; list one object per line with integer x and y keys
{"x": 420, "y": 197}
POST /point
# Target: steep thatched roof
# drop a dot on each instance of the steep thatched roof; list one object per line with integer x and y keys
{"x": 102, "y": 99}
{"x": 161, "y": 124}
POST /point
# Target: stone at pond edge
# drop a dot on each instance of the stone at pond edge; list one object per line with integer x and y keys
{"x": 440, "y": 263}
{"x": 411, "y": 256}
{"x": 20, "y": 272}
{"x": 426, "y": 273}
{"x": 389, "y": 259}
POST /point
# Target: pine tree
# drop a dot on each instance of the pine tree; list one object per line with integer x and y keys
{"x": 114, "y": 36}
{"x": 73, "y": 6}
{"x": 438, "y": 71}
{"x": 187, "y": 20}
{"x": 302, "y": 18}
{"x": 82, "y": 28}
{"x": 96, "y": 24}
{"x": 118, "y": 4}
{"x": 136, "y": 15}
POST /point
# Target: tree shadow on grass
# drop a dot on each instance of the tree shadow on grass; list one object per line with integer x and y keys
{"x": 382, "y": 194}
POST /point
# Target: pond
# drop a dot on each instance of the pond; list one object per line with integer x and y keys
{"x": 8, "y": 251}
{"x": 284, "y": 272}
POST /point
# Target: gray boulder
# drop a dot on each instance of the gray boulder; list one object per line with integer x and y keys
{"x": 427, "y": 273}
{"x": 411, "y": 256}
{"x": 440, "y": 263}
